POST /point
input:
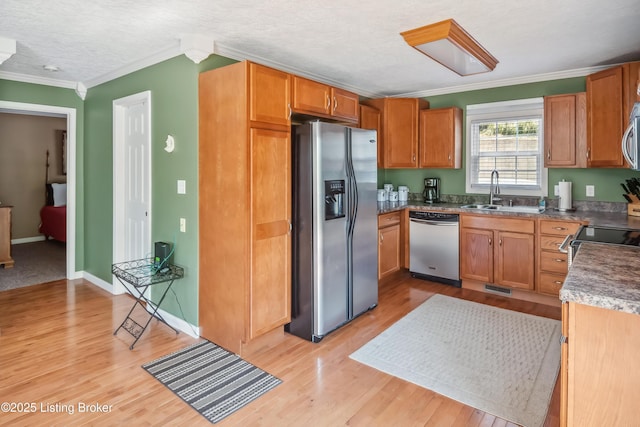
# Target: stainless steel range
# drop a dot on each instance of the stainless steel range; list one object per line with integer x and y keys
{"x": 607, "y": 235}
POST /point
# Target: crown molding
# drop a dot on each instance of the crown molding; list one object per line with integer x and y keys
{"x": 558, "y": 75}
{"x": 26, "y": 78}
{"x": 238, "y": 55}
{"x": 160, "y": 56}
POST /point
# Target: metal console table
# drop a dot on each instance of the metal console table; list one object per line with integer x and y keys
{"x": 141, "y": 274}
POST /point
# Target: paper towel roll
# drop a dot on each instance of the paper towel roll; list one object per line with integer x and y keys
{"x": 564, "y": 199}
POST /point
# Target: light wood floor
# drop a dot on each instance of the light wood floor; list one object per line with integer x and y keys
{"x": 57, "y": 348}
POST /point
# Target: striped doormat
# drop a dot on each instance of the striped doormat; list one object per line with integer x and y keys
{"x": 213, "y": 381}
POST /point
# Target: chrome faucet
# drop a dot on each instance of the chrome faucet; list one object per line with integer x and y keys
{"x": 494, "y": 191}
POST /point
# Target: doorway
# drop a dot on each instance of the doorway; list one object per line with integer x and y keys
{"x": 70, "y": 114}
{"x": 131, "y": 180}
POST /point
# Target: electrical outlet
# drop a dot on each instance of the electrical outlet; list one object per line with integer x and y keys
{"x": 556, "y": 190}
{"x": 183, "y": 225}
{"x": 182, "y": 186}
{"x": 591, "y": 190}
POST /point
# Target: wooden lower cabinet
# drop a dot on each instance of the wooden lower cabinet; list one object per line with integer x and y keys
{"x": 600, "y": 382}
{"x": 552, "y": 264}
{"x": 388, "y": 244}
{"x": 498, "y": 250}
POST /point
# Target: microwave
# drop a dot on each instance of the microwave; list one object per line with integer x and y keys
{"x": 630, "y": 146}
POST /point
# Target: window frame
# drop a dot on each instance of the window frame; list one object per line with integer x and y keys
{"x": 505, "y": 111}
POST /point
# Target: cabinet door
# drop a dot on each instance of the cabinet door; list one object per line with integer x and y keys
{"x": 515, "y": 262}
{"x": 311, "y": 97}
{"x": 269, "y": 295}
{"x": 270, "y": 95}
{"x": 441, "y": 138}
{"x": 400, "y": 125}
{"x": 345, "y": 104}
{"x": 605, "y": 121}
{"x": 560, "y": 130}
{"x": 476, "y": 261}
{"x": 388, "y": 251}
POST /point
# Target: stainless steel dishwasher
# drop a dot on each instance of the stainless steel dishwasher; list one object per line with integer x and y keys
{"x": 434, "y": 247}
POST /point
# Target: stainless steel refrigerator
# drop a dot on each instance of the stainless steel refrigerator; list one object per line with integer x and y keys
{"x": 335, "y": 229}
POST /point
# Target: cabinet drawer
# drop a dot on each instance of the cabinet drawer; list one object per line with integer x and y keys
{"x": 551, "y": 243}
{"x": 558, "y": 228}
{"x": 550, "y": 283}
{"x": 555, "y": 262}
{"x": 388, "y": 219}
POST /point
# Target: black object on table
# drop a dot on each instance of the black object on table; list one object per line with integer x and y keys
{"x": 141, "y": 274}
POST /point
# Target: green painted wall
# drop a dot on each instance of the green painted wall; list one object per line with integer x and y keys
{"x": 174, "y": 111}
{"x": 607, "y": 181}
{"x": 47, "y": 95}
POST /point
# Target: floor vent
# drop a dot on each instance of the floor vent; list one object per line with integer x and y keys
{"x": 497, "y": 290}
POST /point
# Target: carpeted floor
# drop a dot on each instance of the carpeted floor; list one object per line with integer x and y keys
{"x": 499, "y": 361}
{"x": 35, "y": 263}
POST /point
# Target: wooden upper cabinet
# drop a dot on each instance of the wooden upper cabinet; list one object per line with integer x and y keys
{"x": 269, "y": 95}
{"x": 441, "y": 138}
{"x": 611, "y": 94}
{"x": 565, "y": 130}
{"x": 310, "y": 97}
{"x": 370, "y": 119}
{"x": 399, "y": 135}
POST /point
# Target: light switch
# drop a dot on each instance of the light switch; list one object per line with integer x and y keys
{"x": 183, "y": 225}
{"x": 182, "y": 186}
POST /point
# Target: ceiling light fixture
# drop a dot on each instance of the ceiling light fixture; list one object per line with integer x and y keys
{"x": 52, "y": 68}
{"x": 7, "y": 48}
{"x": 449, "y": 44}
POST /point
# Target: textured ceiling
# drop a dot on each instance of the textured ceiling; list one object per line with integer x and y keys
{"x": 355, "y": 45}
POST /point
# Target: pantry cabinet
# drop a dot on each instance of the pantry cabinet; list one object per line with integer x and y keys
{"x": 611, "y": 94}
{"x": 388, "y": 244}
{"x": 314, "y": 98}
{"x": 552, "y": 264}
{"x": 441, "y": 138}
{"x": 498, "y": 250}
{"x": 244, "y": 204}
{"x": 399, "y": 133}
{"x": 565, "y": 130}
{"x": 370, "y": 119}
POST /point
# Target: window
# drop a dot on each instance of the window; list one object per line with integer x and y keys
{"x": 508, "y": 137}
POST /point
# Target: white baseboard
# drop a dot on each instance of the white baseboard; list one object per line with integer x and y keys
{"x": 27, "y": 240}
{"x": 97, "y": 281}
{"x": 175, "y": 321}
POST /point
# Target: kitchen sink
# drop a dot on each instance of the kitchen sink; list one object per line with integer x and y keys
{"x": 500, "y": 208}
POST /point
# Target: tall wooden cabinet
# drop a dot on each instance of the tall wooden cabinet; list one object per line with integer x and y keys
{"x": 441, "y": 138}
{"x": 389, "y": 238}
{"x": 611, "y": 94}
{"x": 244, "y": 203}
{"x": 399, "y": 133}
{"x": 565, "y": 130}
{"x": 5, "y": 237}
{"x": 370, "y": 119}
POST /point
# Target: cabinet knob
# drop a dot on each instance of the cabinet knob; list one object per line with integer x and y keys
{"x": 560, "y": 228}
{"x": 335, "y": 104}
{"x": 328, "y": 102}
{"x": 490, "y": 241}
{"x": 559, "y": 260}
{"x": 549, "y": 154}
{"x": 557, "y": 282}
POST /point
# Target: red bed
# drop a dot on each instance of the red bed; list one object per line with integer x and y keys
{"x": 53, "y": 216}
{"x": 54, "y": 222}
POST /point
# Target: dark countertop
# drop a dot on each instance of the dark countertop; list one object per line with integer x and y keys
{"x": 604, "y": 276}
{"x": 603, "y": 219}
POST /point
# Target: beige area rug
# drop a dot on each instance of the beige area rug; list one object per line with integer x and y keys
{"x": 496, "y": 360}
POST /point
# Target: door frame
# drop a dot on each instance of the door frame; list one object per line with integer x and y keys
{"x": 70, "y": 114}
{"x": 120, "y": 106}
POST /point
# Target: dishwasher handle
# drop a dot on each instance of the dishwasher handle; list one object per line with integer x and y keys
{"x": 429, "y": 222}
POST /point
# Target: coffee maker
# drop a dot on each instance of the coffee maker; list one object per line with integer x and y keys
{"x": 431, "y": 191}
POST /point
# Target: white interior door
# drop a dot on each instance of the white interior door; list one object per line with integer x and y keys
{"x": 132, "y": 179}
